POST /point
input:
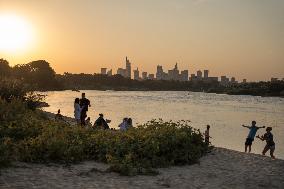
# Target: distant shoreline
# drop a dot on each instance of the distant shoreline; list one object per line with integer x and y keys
{"x": 144, "y": 90}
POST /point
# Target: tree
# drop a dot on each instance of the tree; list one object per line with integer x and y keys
{"x": 37, "y": 73}
{"x": 5, "y": 69}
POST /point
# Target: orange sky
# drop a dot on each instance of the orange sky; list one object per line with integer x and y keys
{"x": 244, "y": 39}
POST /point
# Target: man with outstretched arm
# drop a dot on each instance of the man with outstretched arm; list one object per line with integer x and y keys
{"x": 252, "y": 132}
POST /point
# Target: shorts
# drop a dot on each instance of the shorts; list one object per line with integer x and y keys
{"x": 269, "y": 147}
{"x": 249, "y": 141}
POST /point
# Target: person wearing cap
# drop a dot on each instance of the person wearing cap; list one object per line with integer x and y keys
{"x": 270, "y": 144}
{"x": 250, "y": 138}
{"x": 101, "y": 122}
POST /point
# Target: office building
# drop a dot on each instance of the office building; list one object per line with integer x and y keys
{"x": 136, "y": 74}
{"x": 109, "y": 73}
{"x": 128, "y": 68}
{"x": 144, "y": 76}
{"x": 206, "y": 74}
{"x": 199, "y": 75}
{"x": 151, "y": 76}
{"x": 103, "y": 71}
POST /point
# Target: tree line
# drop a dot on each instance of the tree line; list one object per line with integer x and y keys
{"x": 41, "y": 76}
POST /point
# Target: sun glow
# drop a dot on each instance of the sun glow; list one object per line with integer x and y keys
{"x": 15, "y": 33}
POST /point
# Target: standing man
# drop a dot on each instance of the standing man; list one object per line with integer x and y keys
{"x": 84, "y": 103}
{"x": 252, "y": 131}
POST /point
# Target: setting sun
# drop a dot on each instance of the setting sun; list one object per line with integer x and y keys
{"x": 15, "y": 33}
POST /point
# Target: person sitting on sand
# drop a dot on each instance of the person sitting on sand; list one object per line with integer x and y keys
{"x": 77, "y": 111}
{"x": 88, "y": 122}
{"x": 253, "y": 129}
{"x": 129, "y": 123}
{"x": 206, "y": 135}
{"x": 270, "y": 144}
{"x": 123, "y": 125}
{"x": 101, "y": 122}
{"x": 58, "y": 116}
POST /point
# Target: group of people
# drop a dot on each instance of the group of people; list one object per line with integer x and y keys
{"x": 268, "y": 137}
{"x": 81, "y": 107}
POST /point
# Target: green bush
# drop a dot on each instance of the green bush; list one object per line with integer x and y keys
{"x": 27, "y": 135}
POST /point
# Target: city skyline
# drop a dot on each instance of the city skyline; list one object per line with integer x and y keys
{"x": 243, "y": 39}
{"x": 172, "y": 74}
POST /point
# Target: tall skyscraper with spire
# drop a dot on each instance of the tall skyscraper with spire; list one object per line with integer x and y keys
{"x": 128, "y": 68}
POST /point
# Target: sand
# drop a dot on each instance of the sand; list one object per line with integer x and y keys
{"x": 222, "y": 168}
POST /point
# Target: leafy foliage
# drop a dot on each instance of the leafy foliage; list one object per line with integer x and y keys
{"x": 29, "y": 136}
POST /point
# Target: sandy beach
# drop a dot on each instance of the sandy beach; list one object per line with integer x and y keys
{"x": 221, "y": 168}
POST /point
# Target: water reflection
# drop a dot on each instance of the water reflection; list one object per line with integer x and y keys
{"x": 224, "y": 113}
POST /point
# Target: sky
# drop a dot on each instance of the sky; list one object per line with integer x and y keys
{"x": 240, "y": 38}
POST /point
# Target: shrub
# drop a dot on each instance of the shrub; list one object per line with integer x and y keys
{"x": 27, "y": 135}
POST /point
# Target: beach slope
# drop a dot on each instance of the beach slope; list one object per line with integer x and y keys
{"x": 222, "y": 168}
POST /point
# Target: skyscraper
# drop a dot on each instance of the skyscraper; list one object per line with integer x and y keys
{"x": 103, "y": 71}
{"x": 199, "y": 74}
{"x": 136, "y": 74}
{"x": 128, "y": 68}
{"x": 174, "y": 73}
{"x": 121, "y": 71}
{"x": 144, "y": 75}
{"x": 184, "y": 75}
{"x": 206, "y": 74}
{"x": 109, "y": 73}
{"x": 160, "y": 73}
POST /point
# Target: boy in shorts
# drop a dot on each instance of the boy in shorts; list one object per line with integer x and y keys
{"x": 253, "y": 129}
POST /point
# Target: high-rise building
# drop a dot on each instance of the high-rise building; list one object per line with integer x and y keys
{"x": 144, "y": 76}
{"x": 233, "y": 80}
{"x": 128, "y": 68}
{"x": 192, "y": 77}
{"x": 199, "y": 74}
{"x": 109, "y": 73}
{"x": 206, "y": 74}
{"x": 151, "y": 76}
{"x": 136, "y": 74}
{"x": 174, "y": 73}
{"x": 184, "y": 75}
{"x": 121, "y": 71}
{"x": 103, "y": 71}
{"x": 224, "y": 80}
{"x": 160, "y": 73}
{"x": 244, "y": 80}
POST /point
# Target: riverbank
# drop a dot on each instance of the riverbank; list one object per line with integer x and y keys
{"x": 222, "y": 168}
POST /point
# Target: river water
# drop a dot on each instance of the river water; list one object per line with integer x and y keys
{"x": 225, "y": 113}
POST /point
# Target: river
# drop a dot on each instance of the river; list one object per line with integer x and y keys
{"x": 225, "y": 113}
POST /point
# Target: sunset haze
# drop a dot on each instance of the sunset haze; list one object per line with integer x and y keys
{"x": 237, "y": 38}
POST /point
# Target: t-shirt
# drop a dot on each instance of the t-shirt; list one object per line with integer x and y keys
{"x": 252, "y": 132}
{"x": 84, "y": 103}
{"x": 269, "y": 139}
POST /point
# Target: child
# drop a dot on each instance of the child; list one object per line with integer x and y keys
{"x": 270, "y": 145}
{"x": 253, "y": 129}
{"x": 88, "y": 122}
{"x": 206, "y": 134}
{"x": 58, "y": 116}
